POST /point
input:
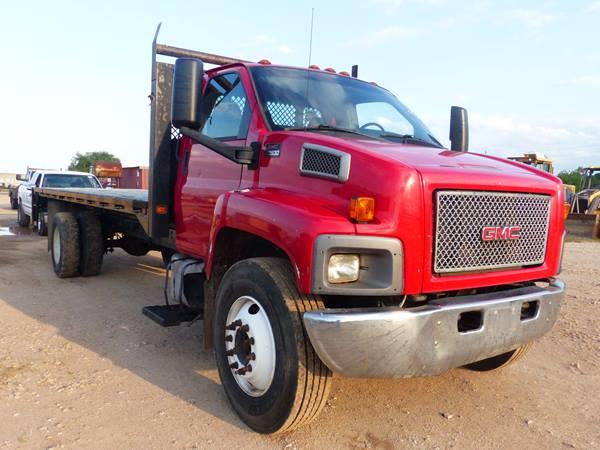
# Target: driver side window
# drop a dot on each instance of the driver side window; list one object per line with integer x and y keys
{"x": 226, "y": 108}
{"x": 385, "y": 115}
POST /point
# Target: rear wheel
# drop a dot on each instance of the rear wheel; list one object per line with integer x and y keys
{"x": 500, "y": 361}
{"x": 268, "y": 368}
{"x": 22, "y": 218}
{"x": 92, "y": 244}
{"x": 14, "y": 204}
{"x": 65, "y": 245}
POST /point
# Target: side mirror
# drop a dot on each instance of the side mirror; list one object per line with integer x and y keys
{"x": 20, "y": 177}
{"x": 459, "y": 129}
{"x": 187, "y": 93}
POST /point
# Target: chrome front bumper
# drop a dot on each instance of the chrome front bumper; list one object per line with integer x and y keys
{"x": 392, "y": 342}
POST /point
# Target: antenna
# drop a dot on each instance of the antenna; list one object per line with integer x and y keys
{"x": 312, "y": 20}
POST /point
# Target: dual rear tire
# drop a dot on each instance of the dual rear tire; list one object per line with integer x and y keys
{"x": 76, "y": 244}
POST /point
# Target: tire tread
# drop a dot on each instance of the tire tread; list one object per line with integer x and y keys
{"x": 314, "y": 378}
{"x": 92, "y": 244}
{"x": 69, "y": 263}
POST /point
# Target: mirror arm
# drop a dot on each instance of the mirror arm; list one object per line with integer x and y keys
{"x": 247, "y": 155}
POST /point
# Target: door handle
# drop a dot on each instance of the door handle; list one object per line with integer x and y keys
{"x": 186, "y": 162}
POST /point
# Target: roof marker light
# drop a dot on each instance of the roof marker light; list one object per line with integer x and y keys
{"x": 344, "y": 73}
{"x": 264, "y": 61}
{"x": 314, "y": 66}
{"x": 330, "y": 69}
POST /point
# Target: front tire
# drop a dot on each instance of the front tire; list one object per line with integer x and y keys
{"x": 500, "y": 361}
{"x": 258, "y": 330}
{"x": 22, "y": 218}
{"x": 64, "y": 245}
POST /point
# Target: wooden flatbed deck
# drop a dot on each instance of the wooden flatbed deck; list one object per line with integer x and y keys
{"x": 129, "y": 201}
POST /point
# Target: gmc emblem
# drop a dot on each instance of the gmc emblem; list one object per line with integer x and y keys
{"x": 501, "y": 233}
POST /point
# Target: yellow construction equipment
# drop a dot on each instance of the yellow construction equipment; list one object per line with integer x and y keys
{"x": 542, "y": 162}
{"x": 584, "y": 216}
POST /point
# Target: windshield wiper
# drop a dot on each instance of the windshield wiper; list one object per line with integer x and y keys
{"x": 329, "y": 128}
{"x": 406, "y": 138}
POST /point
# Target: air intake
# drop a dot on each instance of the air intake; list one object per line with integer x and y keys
{"x": 324, "y": 162}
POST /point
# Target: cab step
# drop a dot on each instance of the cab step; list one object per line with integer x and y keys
{"x": 171, "y": 315}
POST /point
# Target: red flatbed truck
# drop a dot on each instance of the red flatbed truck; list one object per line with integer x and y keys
{"x": 315, "y": 225}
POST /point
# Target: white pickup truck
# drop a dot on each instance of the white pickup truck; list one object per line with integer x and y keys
{"x": 29, "y": 215}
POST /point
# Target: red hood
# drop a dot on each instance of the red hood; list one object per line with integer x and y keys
{"x": 451, "y": 168}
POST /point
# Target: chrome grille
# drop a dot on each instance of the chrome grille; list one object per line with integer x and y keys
{"x": 461, "y": 217}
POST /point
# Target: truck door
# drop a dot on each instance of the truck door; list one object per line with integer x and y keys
{"x": 28, "y": 194}
{"x": 205, "y": 174}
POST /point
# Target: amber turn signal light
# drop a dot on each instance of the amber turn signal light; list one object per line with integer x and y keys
{"x": 362, "y": 209}
{"x": 161, "y": 209}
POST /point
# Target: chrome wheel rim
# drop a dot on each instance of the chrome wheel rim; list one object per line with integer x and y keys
{"x": 250, "y": 346}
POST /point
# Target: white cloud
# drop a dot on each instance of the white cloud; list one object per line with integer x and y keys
{"x": 262, "y": 39}
{"x": 584, "y": 81}
{"x": 392, "y": 5}
{"x": 593, "y": 7}
{"x": 285, "y": 49}
{"x": 391, "y": 33}
{"x": 533, "y": 19}
{"x": 570, "y": 142}
{"x": 399, "y": 33}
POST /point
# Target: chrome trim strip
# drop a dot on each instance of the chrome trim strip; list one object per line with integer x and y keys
{"x": 448, "y": 259}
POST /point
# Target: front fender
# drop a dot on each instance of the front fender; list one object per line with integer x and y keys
{"x": 290, "y": 221}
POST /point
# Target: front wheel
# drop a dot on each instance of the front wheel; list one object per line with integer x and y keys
{"x": 270, "y": 372}
{"x": 22, "y": 218}
{"x": 499, "y": 361}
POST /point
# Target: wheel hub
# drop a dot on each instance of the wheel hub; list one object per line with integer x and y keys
{"x": 250, "y": 346}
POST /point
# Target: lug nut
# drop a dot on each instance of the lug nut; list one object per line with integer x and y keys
{"x": 233, "y": 325}
{"x": 233, "y": 365}
{"x": 230, "y": 352}
{"x": 245, "y": 328}
{"x": 251, "y": 341}
{"x": 228, "y": 338}
{"x": 250, "y": 357}
{"x": 244, "y": 369}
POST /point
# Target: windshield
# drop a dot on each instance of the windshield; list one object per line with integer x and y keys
{"x": 591, "y": 179}
{"x": 70, "y": 181}
{"x": 298, "y": 98}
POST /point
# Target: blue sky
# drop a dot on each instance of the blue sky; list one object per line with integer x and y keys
{"x": 75, "y": 75}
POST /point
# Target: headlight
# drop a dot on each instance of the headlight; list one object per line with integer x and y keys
{"x": 343, "y": 268}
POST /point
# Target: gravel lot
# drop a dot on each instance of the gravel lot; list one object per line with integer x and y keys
{"x": 80, "y": 367}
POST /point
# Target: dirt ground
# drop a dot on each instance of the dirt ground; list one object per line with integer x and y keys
{"x": 80, "y": 367}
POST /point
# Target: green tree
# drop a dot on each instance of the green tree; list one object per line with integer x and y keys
{"x": 571, "y": 177}
{"x": 81, "y": 162}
